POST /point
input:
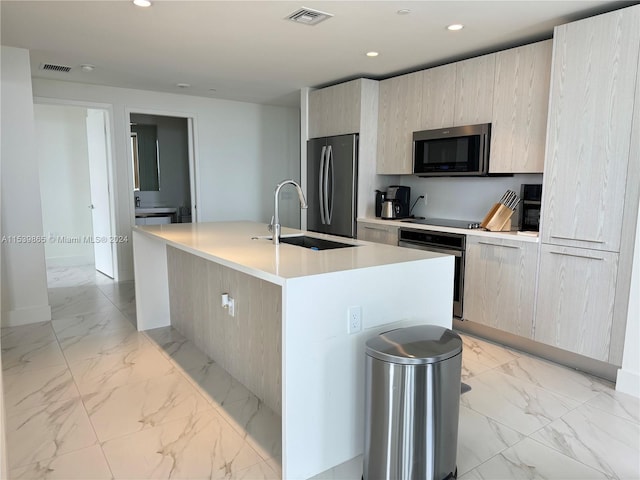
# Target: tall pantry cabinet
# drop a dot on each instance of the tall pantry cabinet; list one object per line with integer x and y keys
{"x": 590, "y": 193}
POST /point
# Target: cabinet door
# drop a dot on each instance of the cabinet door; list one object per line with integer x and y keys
{"x": 593, "y": 78}
{"x": 438, "y": 94}
{"x": 374, "y": 232}
{"x": 474, "y": 90}
{"x": 574, "y": 307}
{"x": 499, "y": 285}
{"x": 335, "y": 110}
{"x": 399, "y": 110}
{"x": 520, "y": 107}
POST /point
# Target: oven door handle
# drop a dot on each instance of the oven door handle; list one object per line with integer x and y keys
{"x": 429, "y": 248}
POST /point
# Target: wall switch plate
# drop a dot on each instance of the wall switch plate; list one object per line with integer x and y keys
{"x": 229, "y": 303}
{"x": 354, "y": 319}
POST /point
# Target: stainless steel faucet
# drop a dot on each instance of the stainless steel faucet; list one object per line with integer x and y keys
{"x": 274, "y": 227}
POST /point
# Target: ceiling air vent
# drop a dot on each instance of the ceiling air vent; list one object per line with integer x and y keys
{"x": 308, "y": 16}
{"x": 55, "y": 68}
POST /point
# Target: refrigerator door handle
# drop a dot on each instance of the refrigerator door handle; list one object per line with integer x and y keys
{"x": 321, "y": 183}
{"x": 329, "y": 203}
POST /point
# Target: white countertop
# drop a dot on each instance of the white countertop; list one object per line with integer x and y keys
{"x": 232, "y": 244}
{"x": 465, "y": 231}
{"x": 155, "y": 210}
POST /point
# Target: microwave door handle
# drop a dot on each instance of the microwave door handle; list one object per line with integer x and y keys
{"x": 329, "y": 202}
{"x": 485, "y": 154}
{"x": 321, "y": 182}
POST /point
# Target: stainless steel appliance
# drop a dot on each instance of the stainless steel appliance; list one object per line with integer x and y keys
{"x": 390, "y": 210}
{"x": 440, "y": 242}
{"x": 400, "y": 196}
{"x": 412, "y": 385}
{"x": 531, "y": 197}
{"x": 455, "y": 151}
{"x": 332, "y": 172}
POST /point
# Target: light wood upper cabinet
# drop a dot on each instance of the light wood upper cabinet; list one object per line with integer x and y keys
{"x": 590, "y": 119}
{"x": 499, "y": 285}
{"x": 474, "y": 90}
{"x": 399, "y": 109}
{"x": 438, "y": 94}
{"x": 574, "y": 307}
{"x": 335, "y": 110}
{"x": 520, "y": 107}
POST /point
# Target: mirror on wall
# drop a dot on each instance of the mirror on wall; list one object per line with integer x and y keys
{"x": 145, "y": 154}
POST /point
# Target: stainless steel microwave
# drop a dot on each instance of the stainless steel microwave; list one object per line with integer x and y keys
{"x": 452, "y": 152}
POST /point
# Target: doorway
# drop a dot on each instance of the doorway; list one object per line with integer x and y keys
{"x": 161, "y": 162}
{"x": 74, "y": 154}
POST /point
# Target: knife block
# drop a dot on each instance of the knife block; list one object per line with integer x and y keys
{"x": 498, "y": 219}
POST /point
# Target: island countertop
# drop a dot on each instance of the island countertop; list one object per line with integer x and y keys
{"x": 245, "y": 246}
{"x": 289, "y": 333}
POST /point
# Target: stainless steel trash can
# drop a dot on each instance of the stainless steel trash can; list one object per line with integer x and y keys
{"x": 412, "y": 404}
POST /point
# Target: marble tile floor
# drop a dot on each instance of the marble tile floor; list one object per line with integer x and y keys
{"x": 89, "y": 397}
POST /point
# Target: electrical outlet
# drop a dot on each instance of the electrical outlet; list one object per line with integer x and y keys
{"x": 354, "y": 319}
{"x": 424, "y": 199}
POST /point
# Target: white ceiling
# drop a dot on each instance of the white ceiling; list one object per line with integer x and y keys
{"x": 246, "y": 51}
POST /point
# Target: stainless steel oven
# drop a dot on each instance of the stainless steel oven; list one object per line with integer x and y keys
{"x": 440, "y": 242}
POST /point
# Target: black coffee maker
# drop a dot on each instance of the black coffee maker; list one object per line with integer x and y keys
{"x": 380, "y": 197}
{"x": 400, "y": 197}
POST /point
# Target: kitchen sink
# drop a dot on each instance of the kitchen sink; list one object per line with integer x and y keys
{"x": 314, "y": 243}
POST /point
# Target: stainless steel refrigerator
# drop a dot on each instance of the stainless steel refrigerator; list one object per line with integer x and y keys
{"x": 332, "y": 185}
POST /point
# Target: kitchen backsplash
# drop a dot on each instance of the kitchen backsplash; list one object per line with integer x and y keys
{"x": 468, "y": 198}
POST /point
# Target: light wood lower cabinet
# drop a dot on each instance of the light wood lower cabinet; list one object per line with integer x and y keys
{"x": 374, "y": 232}
{"x": 499, "y": 284}
{"x": 576, "y": 292}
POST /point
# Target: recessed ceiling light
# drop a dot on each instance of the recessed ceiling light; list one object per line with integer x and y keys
{"x": 455, "y": 27}
{"x": 372, "y": 54}
{"x": 403, "y": 11}
{"x": 87, "y": 67}
{"x": 142, "y": 3}
{"x": 183, "y": 85}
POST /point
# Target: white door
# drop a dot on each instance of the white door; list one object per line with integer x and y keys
{"x": 99, "y": 181}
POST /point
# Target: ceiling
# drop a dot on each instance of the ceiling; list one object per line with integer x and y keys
{"x": 247, "y": 51}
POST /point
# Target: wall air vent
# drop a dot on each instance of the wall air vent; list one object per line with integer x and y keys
{"x": 308, "y": 16}
{"x": 51, "y": 67}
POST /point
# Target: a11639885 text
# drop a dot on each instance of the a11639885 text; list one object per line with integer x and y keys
{"x": 63, "y": 239}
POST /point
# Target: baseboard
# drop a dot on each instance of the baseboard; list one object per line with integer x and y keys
{"x": 25, "y": 316}
{"x": 628, "y": 382}
{"x": 71, "y": 261}
{"x": 557, "y": 355}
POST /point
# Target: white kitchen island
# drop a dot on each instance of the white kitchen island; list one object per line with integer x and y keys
{"x": 288, "y": 340}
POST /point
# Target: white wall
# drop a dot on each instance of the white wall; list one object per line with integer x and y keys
{"x": 61, "y": 141}
{"x": 468, "y": 198}
{"x": 241, "y": 149}
{"x": 24, "y": 282}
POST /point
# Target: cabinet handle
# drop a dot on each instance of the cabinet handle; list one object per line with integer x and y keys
{"x": 378, "y": 229}
{"x": 577, "y": 239}
{"x": 498, "y": 245}
{"x": 577, "y": 256}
